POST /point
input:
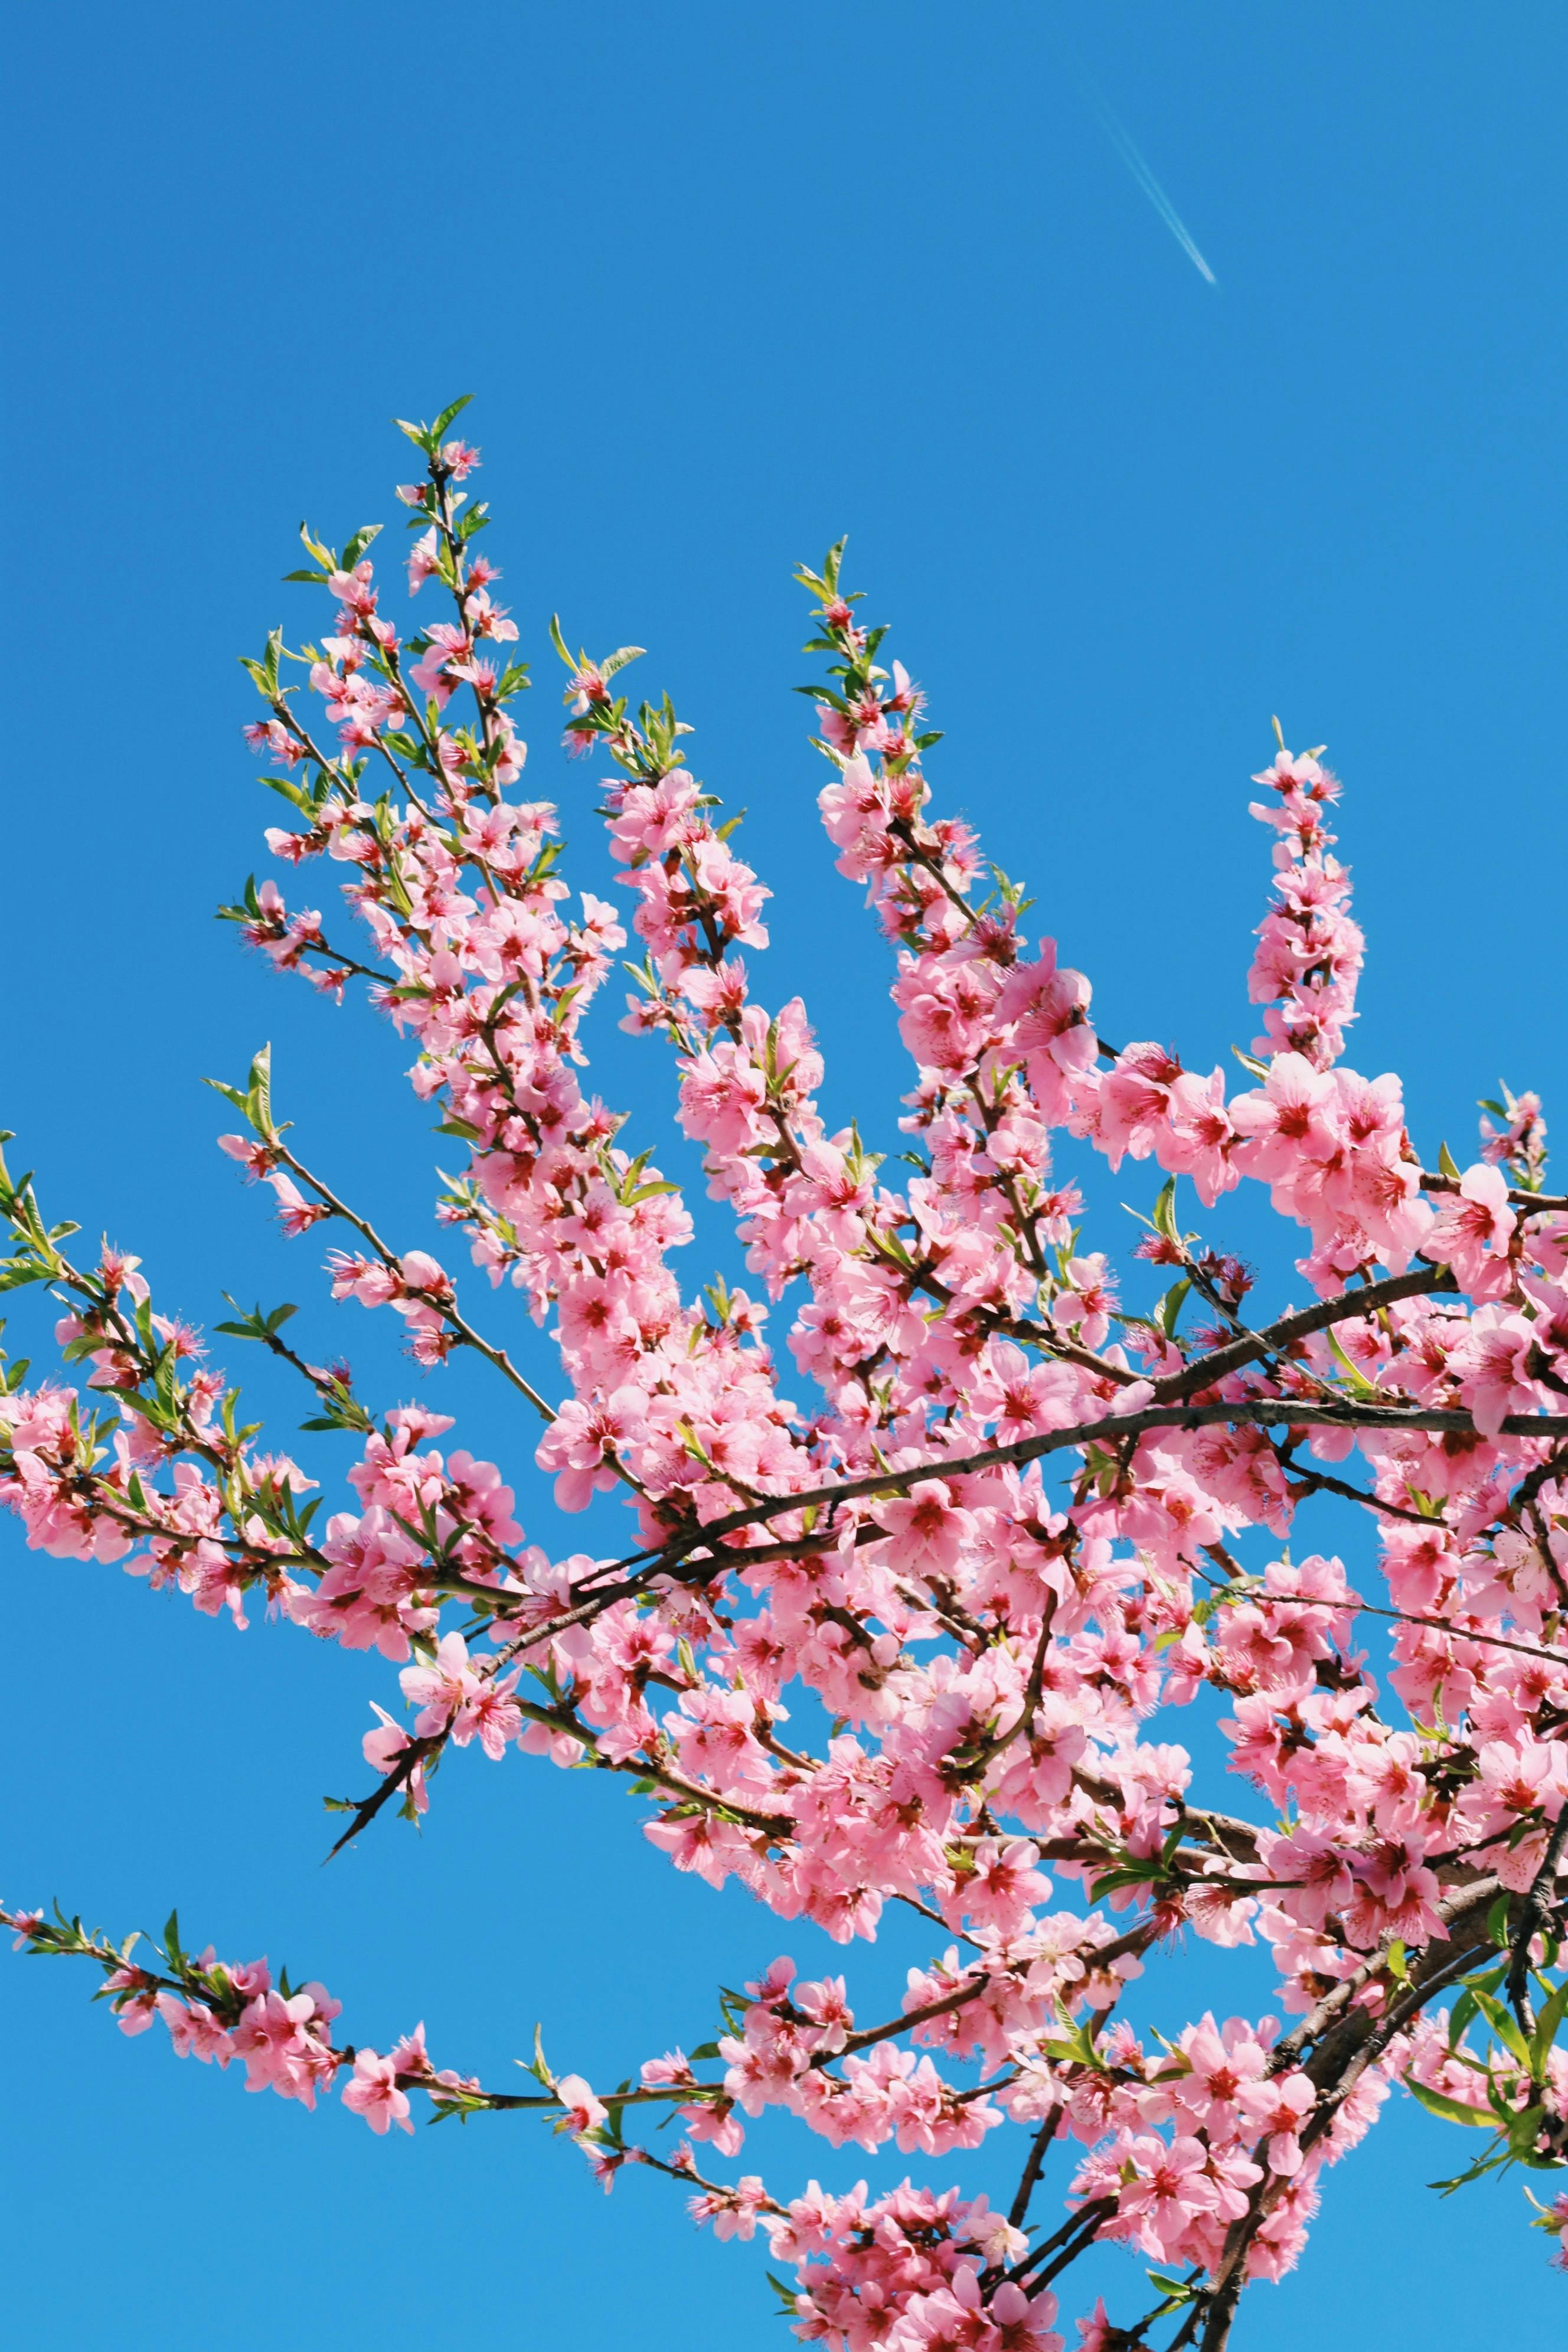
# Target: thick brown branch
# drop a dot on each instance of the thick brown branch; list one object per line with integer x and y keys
{"x": 971, "y": 1990}
{"x": 1275, "y": 1338}
{"x": 1031, "y": 2172}
{"x": 1111, "y": 1429}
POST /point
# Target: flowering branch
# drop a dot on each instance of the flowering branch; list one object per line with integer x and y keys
{"x": 977, "y": 1546}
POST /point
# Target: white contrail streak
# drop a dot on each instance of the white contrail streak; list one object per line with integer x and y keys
{"x": 1121, "y": 139}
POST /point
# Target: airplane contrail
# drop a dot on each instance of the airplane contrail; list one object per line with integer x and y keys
{"x": 1121, "y": 139}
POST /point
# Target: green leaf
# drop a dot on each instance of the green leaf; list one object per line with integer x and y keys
{"x": 1546, "y": 2029}
{"x": 1477, "y": 2171}
{"x": 448, "y": 416}
{"x": 1453, "y": 2111}
{"x": 293, "y": 793}
{"x": 1111, "y": 1881}
{"x": 16, "y": 1272}
{"x": 539, "y": 2066}
{"x": 1446, "y": 1163}
{"x": 259, "y": 1100}
{"x": 1361, "y": 1386}
{"x": 1164, "y": 1217}
{"x": 789, "y": 2296}
{"x": 1169, "y": 1307}
{"x": 1503, "y": 2026}
{"x": 1524, "y": 2131}
{"x": 1078, "y": 2048}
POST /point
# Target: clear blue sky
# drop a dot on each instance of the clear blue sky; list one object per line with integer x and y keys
{"x": 726, "y": 281}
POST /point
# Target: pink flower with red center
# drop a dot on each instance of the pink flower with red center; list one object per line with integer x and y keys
{"x": 372, "y": 2092}
{"x": 1049, "y": 1009}
{"x": 926, "y": 1529}
{"x": 1473, "y": 1229}
{"x": 1169, "y": 2187}
{"x": 580, "y": 2111}
{"x": 1202, "y": 1135}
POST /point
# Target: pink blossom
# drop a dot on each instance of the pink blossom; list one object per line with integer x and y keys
{"x": 1473, "y": 1229}
{"x": 926, "y": 1529}
{"x": 580, "y": 2111}
{"x": 372, "y": 2090}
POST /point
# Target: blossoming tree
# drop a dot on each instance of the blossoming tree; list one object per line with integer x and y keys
{"x": 1013, "y": 1524}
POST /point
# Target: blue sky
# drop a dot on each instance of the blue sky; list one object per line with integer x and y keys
{"x": 726, "y": 283}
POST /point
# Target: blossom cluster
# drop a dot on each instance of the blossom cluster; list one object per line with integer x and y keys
{"x": 981, "y": 1515}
